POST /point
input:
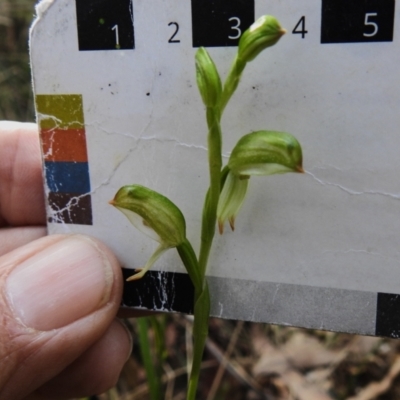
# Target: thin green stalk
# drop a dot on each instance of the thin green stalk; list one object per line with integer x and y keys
{"x": 201, "y": 313}
{"x": 153, "y": 377}
{"x": 209, "y": 220}
{"x": 200, "y": 333}
{"x": 214, "y": 115}
{"x": 231, "y": 82}
{"x": 189, "y": 259}
{"x": 158, "y": 326}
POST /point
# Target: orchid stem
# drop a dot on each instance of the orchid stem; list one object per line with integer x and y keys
{"x": 212, "y": 197}
{"x": 209, "y": 221}
{"x": 231, "y": 82}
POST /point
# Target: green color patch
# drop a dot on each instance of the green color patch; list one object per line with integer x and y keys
{"x": 60, "y": 111}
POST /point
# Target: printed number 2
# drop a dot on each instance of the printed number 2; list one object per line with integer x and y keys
{"x": 368, "y": 22}
{"x": 171, "y": 39}
{"x": 235, "y": 28}
{"x": 300, "y": 27}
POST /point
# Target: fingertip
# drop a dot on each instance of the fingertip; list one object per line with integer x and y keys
{"x": 61, "y": 280}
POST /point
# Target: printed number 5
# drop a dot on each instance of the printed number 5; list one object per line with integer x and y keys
{"x": 368, "y": 22}
{"x": 235, "y": 27}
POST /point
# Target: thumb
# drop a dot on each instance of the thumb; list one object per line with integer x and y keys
{"x": 58, "y": 295}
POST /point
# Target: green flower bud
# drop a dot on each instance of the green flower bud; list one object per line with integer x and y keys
{"x": 266, "y": 153}
{"x": 155, "y": 216}
{"x": 152, "y": 213}
{"x": 208, "y": 79}
{"x": 263, "y": 33}
{"x": 231, "y": 199}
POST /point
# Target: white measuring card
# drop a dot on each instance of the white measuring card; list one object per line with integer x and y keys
{"x": 117, "y": 104}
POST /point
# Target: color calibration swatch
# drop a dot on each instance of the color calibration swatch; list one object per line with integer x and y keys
{"x": 66, "y": 167}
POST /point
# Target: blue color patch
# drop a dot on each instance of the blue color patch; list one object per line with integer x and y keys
{"x": 67, "y": 177}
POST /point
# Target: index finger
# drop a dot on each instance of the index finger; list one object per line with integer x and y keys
{"x": 21, "y": 183}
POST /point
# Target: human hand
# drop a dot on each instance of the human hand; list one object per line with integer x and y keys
{"x": 58, "y": 294}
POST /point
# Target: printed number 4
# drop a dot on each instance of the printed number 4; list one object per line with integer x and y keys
{"x": 300, "y": 27}
{"x": 368, "y": 22}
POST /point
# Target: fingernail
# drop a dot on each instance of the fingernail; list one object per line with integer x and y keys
{"x": 62, "y": 283}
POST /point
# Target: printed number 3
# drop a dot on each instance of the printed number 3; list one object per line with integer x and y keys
{"x": 235, "y": 28}
{"x": 368, "y": 22}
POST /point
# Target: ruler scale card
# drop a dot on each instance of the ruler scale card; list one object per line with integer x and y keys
{"x": 117, "y": 104}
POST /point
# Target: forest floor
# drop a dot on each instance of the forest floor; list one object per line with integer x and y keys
{"x": 250, "y": 361}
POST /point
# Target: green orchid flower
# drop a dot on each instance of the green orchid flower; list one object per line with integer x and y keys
{"x": 257, "y": 153}
{"x": 160, "y": 219}
{"x": 155, "y": 216}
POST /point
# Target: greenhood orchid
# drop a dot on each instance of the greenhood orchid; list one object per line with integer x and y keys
{"x": 154, "y": 215}
{"x": 257, "y": 153}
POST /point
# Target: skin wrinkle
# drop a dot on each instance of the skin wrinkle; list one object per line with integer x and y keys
{"x": 21, "y": 177}
{"x": 36, "y": 353}
{"x": 58, "y": 359}
{"x": 13, "y": 354}
{"x": 85, "y": 376}
{"x": 12, "y": 238}
{"x": 32, "y": 348}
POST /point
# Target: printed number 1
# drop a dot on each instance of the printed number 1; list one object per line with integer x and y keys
{"x": 368, "y": 22}
{"x": 115, "y": 28}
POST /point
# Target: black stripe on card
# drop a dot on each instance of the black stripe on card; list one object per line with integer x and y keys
{"x": 388, "y": 315}
{"x": 159, "y": 291}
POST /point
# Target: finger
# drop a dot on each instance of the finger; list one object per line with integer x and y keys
{"x": 58, "y": 296}
{"x": 96, "y": 371}
{"x": 21, "y": 183}
{"x": 12, "y": 238}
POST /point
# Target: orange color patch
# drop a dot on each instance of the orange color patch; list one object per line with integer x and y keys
{"x": 64, "y": 144}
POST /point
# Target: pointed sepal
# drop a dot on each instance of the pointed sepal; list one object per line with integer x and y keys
{"x": 231, "y": 199}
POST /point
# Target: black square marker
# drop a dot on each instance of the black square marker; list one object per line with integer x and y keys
{"x": 105, "y": 24}
{"x": 218, "y": 23}
{"x": 388, "y": 315}
{"x": 346, "y": 21}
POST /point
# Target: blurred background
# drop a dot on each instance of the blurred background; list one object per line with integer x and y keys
{"x": 243, "y": 361}
{"x": 16, "y": 100}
